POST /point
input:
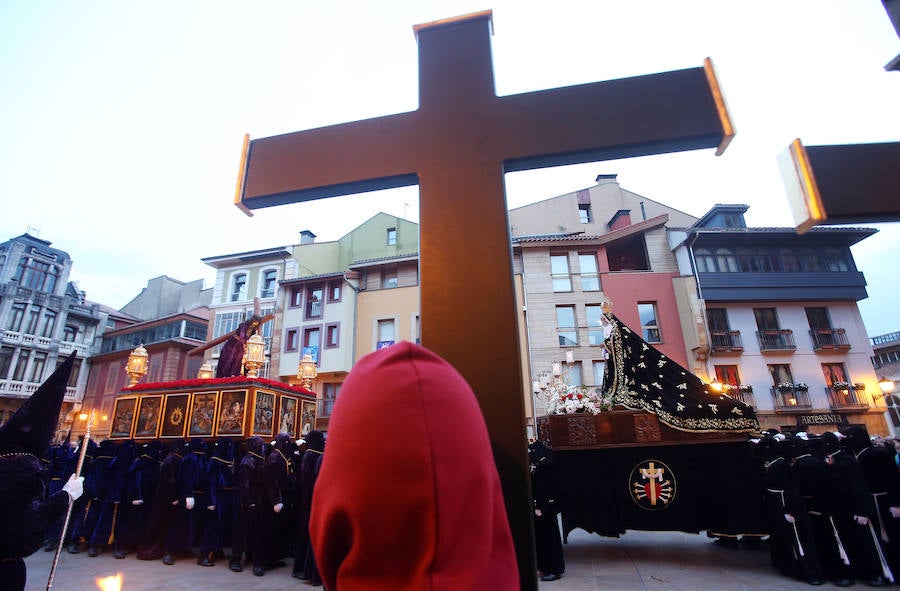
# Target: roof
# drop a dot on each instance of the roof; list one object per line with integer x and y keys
{"x": 577, "y": 237}
{"x": 388, "y": 259}
{"x": 227, "y": 260}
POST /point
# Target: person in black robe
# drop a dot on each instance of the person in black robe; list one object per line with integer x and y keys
{"x": 140, "y": 484}
{"x": 878, "y": 466}
{"x": 113, "y": 514}
{"x": 305, "y": 567}
{"x": 221, "y": 484}
{"x": 192, "y": 494}
{"x": 851, "y": 511}
{"x": 81, "y": 505}
{"x": 247, "y": 538}
{"x": 28, "y": 506}
{"x": 276, "y": 511}
{"x": 791, "y": 543}
{"x": 163, "y": 505}
{"x": 548, "y": 542}
{"x": 95, "y": 484}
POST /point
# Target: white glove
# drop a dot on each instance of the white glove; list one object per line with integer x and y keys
{"x": 861, "y": 519}
{"x": 137, "y": 502}
{"x": 789, "y": 518}
{"x": 75, "y": 486}
{"x": 278, "y": 507}
{"x": 895, "y": 512}
{"x": 210, "y": 507}
{"x": 538, "y": 512}
{"x": 189, "y": 503}
{"x": 175, "y": 502}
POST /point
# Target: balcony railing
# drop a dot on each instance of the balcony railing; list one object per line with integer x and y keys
{"x": 743, "y": 396}
{"x": 824, "y": 339}
{"x": 791, "y": 399}
{"x": 17, "y": 389}
{"x": 29, "y": 340}
{"x": 726, "y": 342}
{"x": 846, "y": 398}
{"x": 776, "y": 340}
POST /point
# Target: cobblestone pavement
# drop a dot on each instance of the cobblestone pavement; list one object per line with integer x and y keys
{"x": 651, "y": 561}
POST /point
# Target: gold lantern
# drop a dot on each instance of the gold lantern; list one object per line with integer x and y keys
{"x": 205, "y": 372}
{"x": 136, "y": 368}
{"x": 307, "y": 372}
{"x": 255, "y": 355}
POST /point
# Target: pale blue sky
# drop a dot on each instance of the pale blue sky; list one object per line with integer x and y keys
{"x": 122, "y": 121}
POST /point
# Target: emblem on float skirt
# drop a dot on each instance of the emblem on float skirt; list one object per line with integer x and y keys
{"x": 652, "y": 485}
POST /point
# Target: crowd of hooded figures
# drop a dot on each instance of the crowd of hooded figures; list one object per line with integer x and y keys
{"x": 832, "y": 506}
{"x": 245, "y": 502}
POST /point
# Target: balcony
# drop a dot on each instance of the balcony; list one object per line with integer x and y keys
{"x": 25, "y": 340}
{"x": 829, "y": 339}
{"x": 791, "y": 399}
{"x": 726, "y": 342}
{"x": 848, "y": 398}
{"x": 776, "y": 340}
{"x": 66, "y": 348}
{"x": 17, "y": 389}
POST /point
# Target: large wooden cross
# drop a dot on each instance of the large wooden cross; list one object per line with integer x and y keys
{"x": 457, "y": 146}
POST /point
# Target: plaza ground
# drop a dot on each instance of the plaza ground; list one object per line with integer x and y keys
{"x": 638, "y": 561}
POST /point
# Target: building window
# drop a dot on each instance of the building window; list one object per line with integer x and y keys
{"x": 37, "y": 368}
{"x": 766, "y": 319}
{"x": 584, "y": 213}
{"x": 291, "y": 339}
{"x": 21, "y": 364}
{"x": 70, "y": 333}
{"x": 312, "y": 342}
{"x": 649, "y": 322}
{"x": 781, "y": 374}
{"x": 835, "y": 375}
{"x": 31, "y": 324}
{"x": 391, "y": 236}
{"x": 587, "y": 264}
{"x": 226, "y": 322}
{"x": 6, "y": 355}
{"x": 389, "y": 278}
{"x": 594, "y": 313}
{"x": 73, "y": 377}
{"x": 37, "y": 275}
{"x": 49, "y": 324}
{"x": 387, "y": 333}
{"x": 334, "y": 291}
{"x": 239, "y": 287}
{"x": 332, "y": 335}
{"x": 728, "y": 375}
{"x": 330, "y": 393}
{"x": 314, "y": 296}
{"x": 269, "y": 278}
{"x": 565, "y": 326}
{"x": 559, "y": 272}
{"x": 418, "y": 335}
{"x": 296, "y": 300}
{"x": 573, "y": 374}
{"x": 628, "y": 254}
{"x": 599, "y": 369}
{"x": 17, "y": 313}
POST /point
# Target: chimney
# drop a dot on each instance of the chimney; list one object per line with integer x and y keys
{"x": 607, "y": 179}
{"x": 307, "y": 237}
{"x": 621, "y": 219}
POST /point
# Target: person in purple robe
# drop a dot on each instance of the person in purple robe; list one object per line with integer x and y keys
{"x": 231, "y": 358}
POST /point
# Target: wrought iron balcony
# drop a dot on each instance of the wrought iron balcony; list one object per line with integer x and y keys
{"x": 847, "y": 398}
{"x": 723, "y": 342}
{"x": 776, "y": 340}
{"x": 745, "y": 396}
{"x": 829, "y": 339}
{"x": 791, "y": 399}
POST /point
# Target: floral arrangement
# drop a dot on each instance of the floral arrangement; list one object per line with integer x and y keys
{"x": 840, "y": 385}
{"x": 568, "y": 399}
{"x": 785, "y": 386}
{"x": 859, "y": 386}
{"x": 743, "y": 388}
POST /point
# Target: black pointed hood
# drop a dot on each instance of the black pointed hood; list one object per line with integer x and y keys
{"x": 31, "y": 429}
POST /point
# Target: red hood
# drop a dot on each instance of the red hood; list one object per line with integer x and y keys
{"x": 408, "y": 496}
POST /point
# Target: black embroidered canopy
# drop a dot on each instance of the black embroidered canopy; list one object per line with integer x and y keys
{"x": 640, "y": 377}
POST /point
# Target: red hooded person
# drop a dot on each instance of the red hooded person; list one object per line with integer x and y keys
{"x": 426, "y": 511}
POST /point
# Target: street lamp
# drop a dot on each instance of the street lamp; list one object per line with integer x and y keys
{"x": 886, "y": 385}
{"x": 136, "y": 367}
{"x": 256, "y": 355}
{"x": 307, "y": 371}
